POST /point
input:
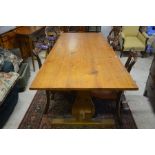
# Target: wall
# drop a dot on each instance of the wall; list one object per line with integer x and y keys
{"x": 105, "y": 30}
{"x": 4, "y": 29}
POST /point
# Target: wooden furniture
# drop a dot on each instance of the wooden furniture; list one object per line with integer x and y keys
{"x": 37, "y": 58}
{"x": 93, "y": 28}
{"x": 150, "y": 85}
{"x": 25, "y": 36}
{"x": 52, "y": 33}
{"x": 7, "y": 39}
{"x": 81, "y": 28}
{"x": 131, "y": 37}
{"x": 21, "y": 37}
{"x": 113, "y": 37}
{"x": 82, "y": 62}
{"x": 113, "y": 95}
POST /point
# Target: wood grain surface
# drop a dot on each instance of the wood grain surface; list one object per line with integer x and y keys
{"x": 83, "y": 61}
{"x": 28, "y": 30}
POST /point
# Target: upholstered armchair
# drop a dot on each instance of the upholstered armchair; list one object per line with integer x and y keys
{"x": 132, "y": 38}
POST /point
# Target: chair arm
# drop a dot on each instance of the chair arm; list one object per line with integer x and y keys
{"x": 122, "y": 35}
{"x": 143, "y": 37}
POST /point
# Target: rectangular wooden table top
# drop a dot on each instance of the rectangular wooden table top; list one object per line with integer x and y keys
{"x": 82, "y": 61}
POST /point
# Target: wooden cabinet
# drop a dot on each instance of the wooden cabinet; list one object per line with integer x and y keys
{"x": 81, "y": 28}
{"x": 93, "y": 28}
{"x": 150, "y": 85}
{"x": 8, "y": 40}
{"x": 25, "y": 36}
{"x": 20, "y": 37}
{"x": 24, "y": 45}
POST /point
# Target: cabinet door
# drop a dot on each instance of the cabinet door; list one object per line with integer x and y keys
{"x": 94, "y": 28}
{"x": 8, "y": 40}
{"x": 24, "y": 45}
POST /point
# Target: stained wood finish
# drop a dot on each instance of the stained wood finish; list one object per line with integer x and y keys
{"x": 83, "y": 108}
{"x": 24, "y": 36}
{"x": 19, "y": 37}
{"x": 80, "y": 28}
{"x": 28, "y": 30}
{"x": 83, "y": 61}
{"x": 8, "y": 40}
{"x": 104, "y": 123}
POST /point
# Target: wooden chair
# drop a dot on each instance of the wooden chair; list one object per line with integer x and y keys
{"x": 42, "y": 44}
{"x": 49, "y": 94}
{"x": 132, "y": 58}
{"x": 116, "y": 96}
{"x": 46, "y": 39}
{"x": 36, "y": 52}
{"x": 131, "y": 37}
{"x": 113, "y": 37}
{"x": 52, "y": 33}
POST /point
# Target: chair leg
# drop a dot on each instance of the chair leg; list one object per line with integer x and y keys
{"x": 143, "y": 54}
{"x": 118, "y": 109}
{"x": 47, "y": 52}
{"x": 52, "y": 96}
{"x": 33, "y": 62}
{"x": 121, "y": 54}
{"x": 48, "y": 101}
{"x": 123, "y": 99}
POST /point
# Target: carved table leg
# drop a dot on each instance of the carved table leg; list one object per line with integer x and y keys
{"x": 82, "y": 111}
{"x": 83, "y": 107}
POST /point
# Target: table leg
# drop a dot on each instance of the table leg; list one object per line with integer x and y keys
{"x": 82, "y": 111}
{"x": 83, "y": 107}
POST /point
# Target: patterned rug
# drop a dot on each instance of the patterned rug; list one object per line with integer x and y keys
{"x": 61, "y": 106}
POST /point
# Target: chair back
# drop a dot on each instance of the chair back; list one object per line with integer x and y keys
{"x": 132, "y": 58}
{"x": 52, "y": 31}
{"x": 130, "y": 30}
{"x": 113, "y": 37}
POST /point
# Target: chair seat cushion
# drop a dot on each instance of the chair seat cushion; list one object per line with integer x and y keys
{"x": 133, "y": 42}
{"x": 41, "y": 46}
{"x": 104, "y": 94}
{"x": 51, "y": 38}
